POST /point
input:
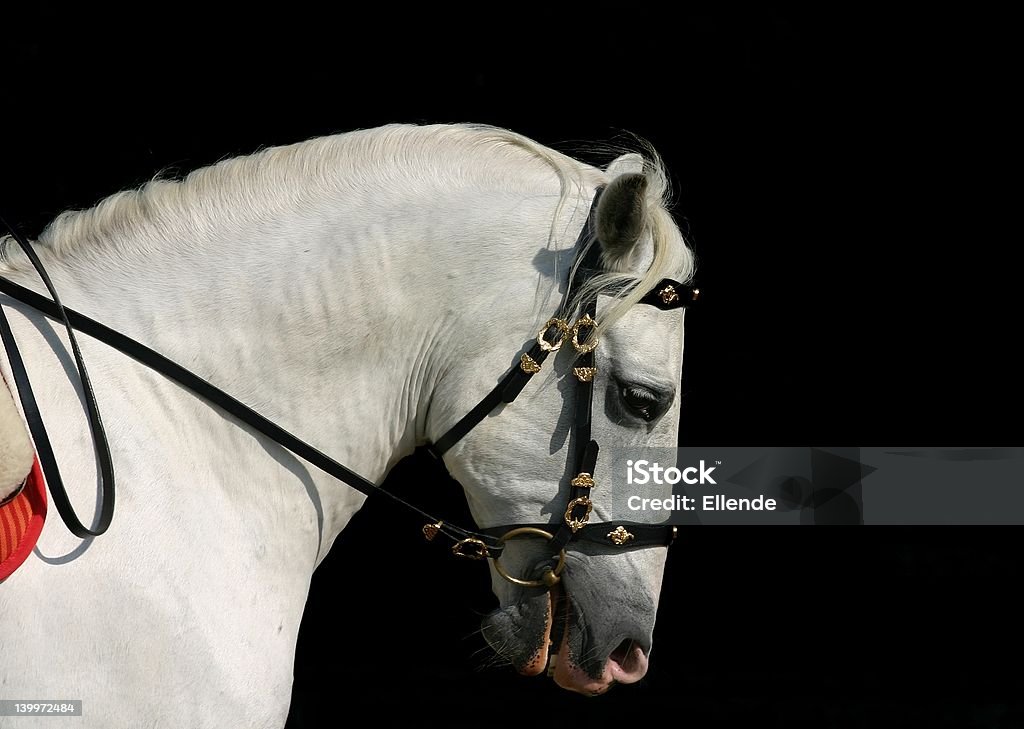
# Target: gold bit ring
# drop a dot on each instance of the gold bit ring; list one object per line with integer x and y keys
{"x": 550, "y": 578}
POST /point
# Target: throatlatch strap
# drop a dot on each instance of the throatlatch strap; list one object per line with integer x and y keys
{"x": 515, "y": 380}
{"x": 505, "y": 392}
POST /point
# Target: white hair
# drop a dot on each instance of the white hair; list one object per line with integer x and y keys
{"x": 263, "y": 185}
{"x": 670, "y": 256}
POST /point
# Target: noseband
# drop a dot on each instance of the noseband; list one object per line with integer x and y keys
{"x": 488, "y": 543}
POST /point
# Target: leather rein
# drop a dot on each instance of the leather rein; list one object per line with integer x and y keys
{"x": 487, "y": 543}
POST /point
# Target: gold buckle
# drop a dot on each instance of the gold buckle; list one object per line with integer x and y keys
{"x": 574, "y": 523}
{"x": 620, "y": 536}
{"x": 550, "y": 578}
{"x": 583, "y": 321}
{"x": 563, "y": 332}
{"x": 478, "y": 550}
{"x": 528, "y": 364}
{"x": 668, "y": 295}
{"x": 431, "y": 530}
{"x": 584, "y": 374}
{"x": 583, "y": 481}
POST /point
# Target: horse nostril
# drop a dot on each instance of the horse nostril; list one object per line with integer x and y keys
{"x": 629, "y": 660}
{"x": 623, "y": 651}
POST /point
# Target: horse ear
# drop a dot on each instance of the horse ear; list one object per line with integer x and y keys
{"x": 629, "y": 162}
{"x": 621, "y": 216}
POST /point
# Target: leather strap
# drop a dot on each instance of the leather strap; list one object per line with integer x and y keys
{"x": 191, "y": 381}
{"x": 584, "y": 447}
{"x": 634, "y": 535}
{"x": 35, "y": 420}
{"x": 508, "y": 389}
{"x": 671, "y": 294}
{"x": 73, "y": 320}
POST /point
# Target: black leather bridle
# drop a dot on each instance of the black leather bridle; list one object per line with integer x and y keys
{"x": 574, "y": 524}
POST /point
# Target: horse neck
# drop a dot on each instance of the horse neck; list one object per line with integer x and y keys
{"x": 337, "y": 325}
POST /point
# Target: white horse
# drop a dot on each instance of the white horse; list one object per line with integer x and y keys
{"x": 364, "y": 291}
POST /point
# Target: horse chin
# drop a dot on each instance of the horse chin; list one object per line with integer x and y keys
{"x": 528, "y": 632}
{"x": 520, "y": 633}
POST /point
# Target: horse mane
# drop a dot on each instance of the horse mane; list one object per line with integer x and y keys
{"x": 262, "y": 186}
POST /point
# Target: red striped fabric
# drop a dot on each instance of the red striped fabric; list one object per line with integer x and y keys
{"x": 21, "y": 521}
{"x": 10, "y": 535}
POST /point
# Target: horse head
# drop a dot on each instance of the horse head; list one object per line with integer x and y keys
{"x": 516, "y": 468}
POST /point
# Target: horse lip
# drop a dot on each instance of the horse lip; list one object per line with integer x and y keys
{"x": 561, "y": 606}
{"x": 535, "y": 632}
{"x": 520, "y": 632}
{"x": 539, "y": 660}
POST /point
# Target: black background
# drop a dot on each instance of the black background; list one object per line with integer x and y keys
{"x": 841, "y": 178}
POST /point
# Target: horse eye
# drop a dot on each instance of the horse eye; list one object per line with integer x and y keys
{"x": 640, "y": 401}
